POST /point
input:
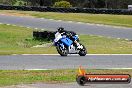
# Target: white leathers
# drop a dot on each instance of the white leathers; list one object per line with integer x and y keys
{"x": 58, "y": 36}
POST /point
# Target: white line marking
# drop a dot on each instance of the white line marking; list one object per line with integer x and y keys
{"x": 42, "y": 18}
{"x": 8, "y": 24}
{"x": 28, "y": 27}
{"x": 77, "y": 54}
{"x": 118, "y": 38}
{"x": 99, "y": 25}
{"x": 79, "y": 22}
{"x": 14, "y": 54}
{"x": 40, "y": 54}
{"x": 90, "y": 24}
{"x": 70, "y": 21}
{"x": 51, "y": 19}
{"x": 59, "y": 20}
{"x": 115, "y": 27}
{"x": 107, "y": 54}
{"x": 120, "y": 27}
{"x": 13, "y": 25}
{"x": 99, "y": 68}
{"x": 36, "y": 28}
{"x": 42, "y": 29}
{"x": 119, "y": 68}
{"x": 126, "y": 39}
{"x": 37, "y": 69}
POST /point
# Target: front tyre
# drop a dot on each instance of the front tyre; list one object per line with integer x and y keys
{"x": 61, "y": 51}
{"x": 83, "y": 51}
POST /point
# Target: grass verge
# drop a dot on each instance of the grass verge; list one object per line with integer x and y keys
{"x": 19, "y": 40}
{"x": 14, "y": 77}
{"x": 118, "y": 20}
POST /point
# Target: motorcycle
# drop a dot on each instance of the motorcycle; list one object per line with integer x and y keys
{"x": 65, "y": 45}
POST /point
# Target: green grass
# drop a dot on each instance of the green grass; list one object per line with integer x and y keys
{"x": 103, "y": 45}
{"x": 14, "y": 77}
{"x": 118, "y": 20}
{"x": 19, "y": 40}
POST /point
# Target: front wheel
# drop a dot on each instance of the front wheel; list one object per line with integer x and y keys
{"x": 83, "y": 51}
{"x": 81, "y": 80}
{"x": 61, "y": 51}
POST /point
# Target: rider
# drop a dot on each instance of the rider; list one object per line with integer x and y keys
{"x": 70, "y": 34}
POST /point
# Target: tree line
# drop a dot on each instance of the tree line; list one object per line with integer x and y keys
{"x": 111, "y": 4}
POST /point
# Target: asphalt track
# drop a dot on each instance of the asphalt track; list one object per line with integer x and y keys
{"x": 83, "y": 28}
{"x": 45, "y": 62}
{"x": 38, "y": 62}
{"x": 71, "y": 85}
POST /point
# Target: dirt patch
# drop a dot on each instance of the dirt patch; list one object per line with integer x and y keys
{"x": 44, "y": 45}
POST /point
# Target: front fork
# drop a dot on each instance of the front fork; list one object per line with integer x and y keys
{"x": 62, "y": 46}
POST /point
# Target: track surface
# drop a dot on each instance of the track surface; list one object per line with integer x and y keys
{"x": 21, "y": 62}
{"x": 82, "y": 28}
{"x": 71, "y": 85}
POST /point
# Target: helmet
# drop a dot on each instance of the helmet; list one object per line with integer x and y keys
{"x": 60, "y": 29}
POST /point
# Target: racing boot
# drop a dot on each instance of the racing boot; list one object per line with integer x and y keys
{"x": 79, "y": 46}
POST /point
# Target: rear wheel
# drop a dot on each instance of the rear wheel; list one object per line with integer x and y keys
{"x": 83, "y": 51}
{"x": 61, "y": 51}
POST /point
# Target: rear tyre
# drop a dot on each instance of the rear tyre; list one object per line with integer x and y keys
{"x": 81, "y": 80}
{"x": 62, "y": 52}
{"x": 83, "y": 51}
